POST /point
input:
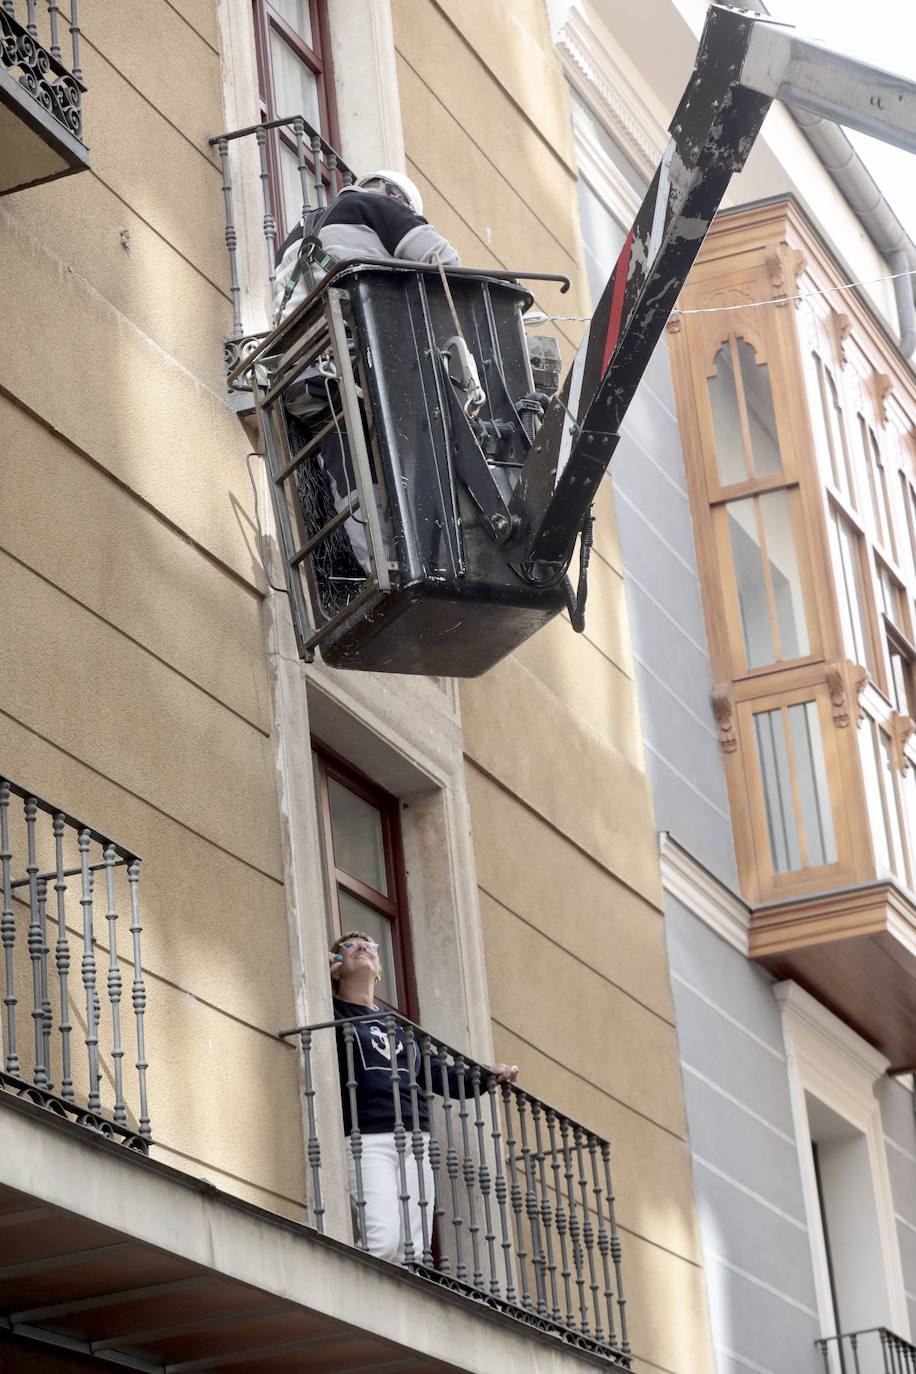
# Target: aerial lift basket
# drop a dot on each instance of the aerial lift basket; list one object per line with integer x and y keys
{"x": 392, "y": 492}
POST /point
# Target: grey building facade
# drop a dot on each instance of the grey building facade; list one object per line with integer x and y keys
{"x": 803, "y": 1144}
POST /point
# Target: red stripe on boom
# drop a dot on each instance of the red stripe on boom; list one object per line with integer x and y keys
{"x": 620, "y": 286}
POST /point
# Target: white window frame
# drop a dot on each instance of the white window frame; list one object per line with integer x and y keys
{"x": 829, "y": 1060}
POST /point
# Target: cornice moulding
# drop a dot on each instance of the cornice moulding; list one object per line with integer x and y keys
{"x": 702, "y": 894}
{"x": 601, "y": 81}
{"x": 817, "y": 1032}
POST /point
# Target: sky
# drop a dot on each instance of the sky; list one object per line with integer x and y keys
{"x": 882, "y": 32}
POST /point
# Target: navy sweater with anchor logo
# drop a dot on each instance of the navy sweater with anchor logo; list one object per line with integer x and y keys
{"x": 372, "y": 1071}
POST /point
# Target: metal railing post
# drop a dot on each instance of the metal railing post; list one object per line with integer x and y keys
{"x": 545, "y": 1209}
{"x": 8, "y": 932}
{"x": 35, "y": 944}
{"x": 515, "y": 1194}
{"x": 531, "y": 1207}
{"x": 468, "y": 1171}
{"x": 47, "y": 1016}
{"x": 88, "y": 971}
{"x": 502, "y": 1191}
{"x": 270, "y": 224}
{"x": 435, "y": 1154}
{"x": 235, "y": 289}
{"x": 400, "y": 1140}
{"x": 313, "y": 1146}
{"x": 62, "y": 959}
{"x": 451, "y": 1163}
{"x": 53, "y": 12}
{"x": 418, "y": 1144}
{"x": 138, "y": 995}
{"x": 483, "y": 1176}
{"x": 75, "y": 40}
{"x": 561, "y": 1218}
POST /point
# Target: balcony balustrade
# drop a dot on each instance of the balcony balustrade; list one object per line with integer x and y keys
{"x": 875, "y": 1351}
{"x": 521, "y": 1214}
{"x": 41, "y": 114}
{"x": 321, "y": 173}
{"x": 49, "y": 866}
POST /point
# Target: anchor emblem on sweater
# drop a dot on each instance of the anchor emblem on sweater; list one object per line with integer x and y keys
{"x": 382, "y": 1044}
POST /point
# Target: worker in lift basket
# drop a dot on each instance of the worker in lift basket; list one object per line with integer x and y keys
{"x": 380, "y": 216}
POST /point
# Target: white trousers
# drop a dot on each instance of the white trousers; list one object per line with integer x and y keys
{"x": 383, "y": 1213}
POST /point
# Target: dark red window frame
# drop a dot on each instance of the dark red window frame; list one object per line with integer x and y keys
{"x": 392, "y": 908}
{"x": 318, "y": 60}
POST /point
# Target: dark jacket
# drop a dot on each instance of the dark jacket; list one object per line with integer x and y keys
{"x": 362, "y": 225}
{"x": 372, "y": 1076}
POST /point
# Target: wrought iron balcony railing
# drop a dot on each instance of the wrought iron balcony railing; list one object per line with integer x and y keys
{"x": 49, "y": 865}
{"x": 874, "y": 1351}
{"x": 42, "y": 83}
{"x": 322, "y": 172}
{"x": 515, "y": 1199}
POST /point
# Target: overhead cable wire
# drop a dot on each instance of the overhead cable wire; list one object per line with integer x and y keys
{"x": 540, "y": 317}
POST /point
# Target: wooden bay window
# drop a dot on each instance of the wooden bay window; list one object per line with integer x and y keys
{"x": 798, "y": 427}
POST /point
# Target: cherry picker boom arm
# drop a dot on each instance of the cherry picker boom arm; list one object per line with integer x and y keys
{"x": 745, "y": 62}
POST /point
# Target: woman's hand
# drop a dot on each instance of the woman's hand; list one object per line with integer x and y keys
{"x": 334, "y": 965}
{"x": 504, "y": 1073}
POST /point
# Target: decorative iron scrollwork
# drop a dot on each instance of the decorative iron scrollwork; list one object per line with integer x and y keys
{"x": 235, "y": 350}
{"x": 70, "y": 1111}
{"x": 44, "y": 77}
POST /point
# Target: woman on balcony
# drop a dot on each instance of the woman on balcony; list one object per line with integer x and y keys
{"x": 355, "y": 971}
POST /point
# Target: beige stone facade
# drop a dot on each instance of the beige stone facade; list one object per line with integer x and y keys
{"x": 149, "y": 679}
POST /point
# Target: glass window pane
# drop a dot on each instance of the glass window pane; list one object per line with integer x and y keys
{"x": 885, "y": 494}
{"x": 297, "y": 15}
{"x": 892, "y": 598}
{"x": 870, "y": 464}
{"x": 292, "y": 186}
{"x": 777, "y": 791}
{"x": 874, "y": 797}
{"x": 295, "y": 85}
{"x": 813, "y": 792}
{"x": 849, "y": 589}
{"x": 359, "y": 846}
{"x": 909, "y": 800}
{"x": 818, "y": 414}
{"x": 784, "y": 574}
{"x": 726, "y": 419}
{"x": 355, "y": 915}
{"x": 908, "y": 501}
{"x": 760, "y": 416}
{"x": 747, "y": 559}
{"x": 837, "y": 433}
{"x": 895, "y": 820}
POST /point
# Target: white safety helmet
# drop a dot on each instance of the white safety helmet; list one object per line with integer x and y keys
{"x": 388, "y": 183}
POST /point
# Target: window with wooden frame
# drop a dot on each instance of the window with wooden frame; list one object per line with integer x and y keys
{"x": 908, "y": 506}
{"x": 888, "y": 803}
{"x": 898, "y": 632}
{"x": 850, "y": 580}
{"x": 756, "y": 513}
{"x": 790, "y": 764}
{"x": 294, "y": 78}
{"x": 882, "y": 513}
{"x": 831, "y": 439}
{"x": 365, "y": 871}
